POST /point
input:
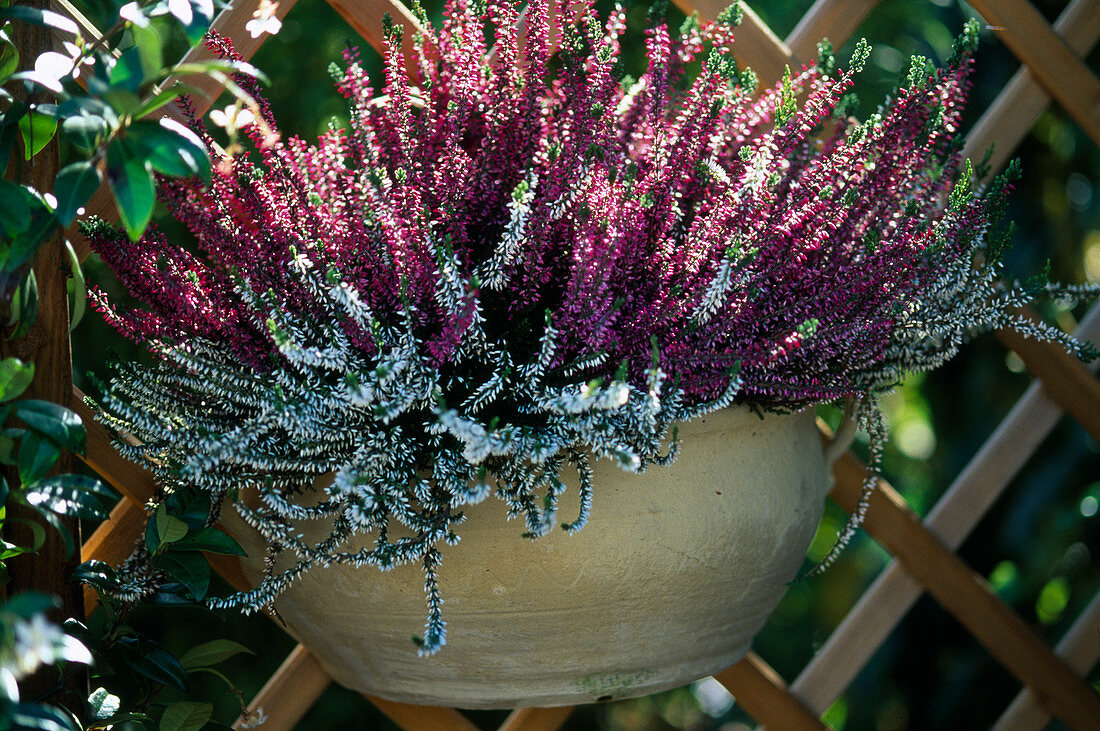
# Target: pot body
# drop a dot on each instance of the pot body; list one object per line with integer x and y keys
{"x": 675, "y": 572}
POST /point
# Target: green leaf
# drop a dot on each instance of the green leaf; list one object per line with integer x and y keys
{"x": 74, "y": 186}
{"x": 149, "y": 659}
{"x": 152, "y": 540}
{"x": 7, "y": 450}
{"x": 55, "y": 421}
{"x": 150, "y": 49}
{"x": 123, "y": 102}
{"x": 210, "y": 540}
{"x": 24, "y": 305}
{"x": 29, "y": 603}
{"x": 190, "y": 569}
{"x": 85, "y": 130}
{"x": 170, "y": 529}
{"x": 37, "y": 455}
{"x": 38, "y": 717}
{"x": 15, "y": 376}
{"x": 132, "y": 182}
{"x": 98, "y": 574}
{"x": 212, "y": 653}
{"x": 219, "y": 67}
{"x": 167, "y": 96}
{"x": 128, "y": 72}
{"x": 37, "y": 130}
{"x": 38, "y": 533}
{"x": 7, "y": 137}
{"x": 170, "y": 148}
{"x": 9, "y": 60}
{"x": 103, "y": 705}
{"x": 186, "y": 716}
{"x": 15, "y": 208}
{"x": 76, "y": 288}
{"x": 35, "y": 16}
{"x": 10, "y": 550}
{"x": 191, "y": 506}
{"x": 73, "y": 495}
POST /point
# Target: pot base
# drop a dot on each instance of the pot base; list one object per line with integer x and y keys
{"x": 675, "y": 572}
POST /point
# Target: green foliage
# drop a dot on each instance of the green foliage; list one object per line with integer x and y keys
{"x": 103, "y": 120}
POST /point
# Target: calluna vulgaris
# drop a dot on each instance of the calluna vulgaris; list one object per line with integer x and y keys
{"x": 528, "y": 261}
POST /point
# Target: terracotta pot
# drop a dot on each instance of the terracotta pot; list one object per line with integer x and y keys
{"x": 676, "y": 571}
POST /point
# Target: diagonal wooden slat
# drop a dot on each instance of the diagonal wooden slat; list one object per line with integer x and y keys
{"x": 113, "y": 542}
{"x": 423, "y": 718}
{"x": 365, "y": 16}
{"x": 835, "y": 20}
{"x": 536, "y": 719}
{"x": 761, "y": 693}
{"x": 1053, "y": 63}
{"x": 1067, "y": 380}
{"x": 1012, "y": 115}
{"x": 973, "y": 492}
{"x": 290, "y": 692}
{"x": 755, "y": 45}
{"x": 134, "y": 482}
{"x": 1080, "y": 648}
{"x": 968, "y": 598}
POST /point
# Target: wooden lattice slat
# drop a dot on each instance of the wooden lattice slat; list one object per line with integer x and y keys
{"x": 536, "y": 719}
{"x": 967, "y": 596}
{"x": 290, "y": 692}
{"x": 1053, "y": 63}
{"x": 952, "y": 519}
{"x": 757, "y": 687}
{"x": 1080, "y": 648}
{"x": 755, "y": 45}
{"x": 365, "y": 16}
{"x": 761, "y": 692}
{"x": 1066, "y": 379}
{"x": 1008, "y": 119}
{"x": 835, "y": 20}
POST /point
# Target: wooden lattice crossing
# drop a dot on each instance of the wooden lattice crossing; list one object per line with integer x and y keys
{"x": 1053, "y": 679}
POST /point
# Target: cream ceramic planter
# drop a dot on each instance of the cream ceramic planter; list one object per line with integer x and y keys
{"x": 675, "y": 572}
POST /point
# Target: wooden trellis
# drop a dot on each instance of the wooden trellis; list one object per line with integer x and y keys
{"x": 923, "y": 549}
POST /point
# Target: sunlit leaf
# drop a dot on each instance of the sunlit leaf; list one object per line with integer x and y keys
{"x": 76, "y": 287}
{"x": 9, "y": 60}
{"x": 170, "y": 148}
{"x": 67, "y": 495}
{"x": 37, "y": 130}
{"x": 150, "y": 49}
{"x": 85, "y": 130}
{"x": 103, "y": 705}
{"x": 38, "y": 717}
{"x": 35, "y": 16}
{"x": 15, "y": 376}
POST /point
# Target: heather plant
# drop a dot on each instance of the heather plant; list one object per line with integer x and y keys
{"x": 523, "y": 261}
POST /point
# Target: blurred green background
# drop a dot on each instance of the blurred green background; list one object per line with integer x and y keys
{"x": 1036, "y": 546}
